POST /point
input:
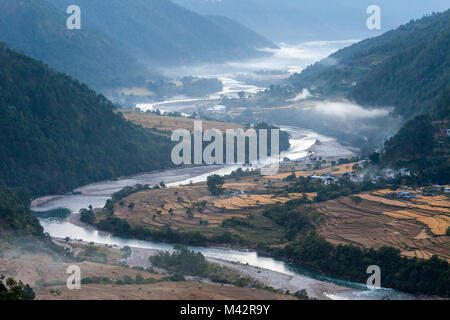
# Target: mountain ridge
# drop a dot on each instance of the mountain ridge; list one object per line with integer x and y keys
{"x": 407, "y": 68}
{"x": 162, "y": 33}
{"x": 58, "y": 134}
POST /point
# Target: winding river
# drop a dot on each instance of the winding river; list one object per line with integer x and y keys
{"x": 98, "y": 193}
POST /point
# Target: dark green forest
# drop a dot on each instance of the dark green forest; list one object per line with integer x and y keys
{"x": 20, "y": 229}
{"x": 15, "y": 216}
{"x": 422, "y": 144}
{"x": 58, "y": 134}
{"x": 408, "y": 68}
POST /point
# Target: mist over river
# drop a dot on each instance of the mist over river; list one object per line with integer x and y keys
{"x": 249, "y": 76}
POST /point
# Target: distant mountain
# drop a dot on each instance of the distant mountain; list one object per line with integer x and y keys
{"x": 407, "y": 68}
{"x": 161, "y": 33}
{"x": 311, "y": 20}
{"x": 39, "y": 30}
{"x": 57, "y": 134}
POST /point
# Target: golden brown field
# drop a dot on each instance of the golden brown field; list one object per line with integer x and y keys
{"x": 160, "y": 291}
{"x": 150, "y": 120}
{"x": 336, "y": 170}
{"x": 189, "y": 207}
{"x": 38, "y": 270}
{"x": 252, "y": 201}
{"x": 169, "y": 207}
{"x": 48, "y": 277}
{"x": 416, "y": 227}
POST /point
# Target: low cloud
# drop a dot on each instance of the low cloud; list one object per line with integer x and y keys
{"x": 305, "y": 94}
{"x": 346, "y": 109}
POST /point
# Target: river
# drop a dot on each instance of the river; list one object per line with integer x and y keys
{"x": 97, "y": 194}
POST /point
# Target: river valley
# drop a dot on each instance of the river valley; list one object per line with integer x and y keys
{"x": 270, "y": 271}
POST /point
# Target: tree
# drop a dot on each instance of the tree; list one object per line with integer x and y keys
{"x": 87, "y": 216}
{"x": 189, "y": 213}
{"x": 215, "y": 184}
{"x": 302, "y": 295}
{"x": 126, "y": 252}
{"x": 375, "y": 157}
{"x": 15, "y": 290}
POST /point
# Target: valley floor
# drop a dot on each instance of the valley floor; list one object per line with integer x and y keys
{"x": 109, "y": 280}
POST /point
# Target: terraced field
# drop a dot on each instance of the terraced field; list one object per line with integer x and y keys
{"x": 416, "y": 227}
{"x": 192, "y": 208}
{"x": 253, "y": 201}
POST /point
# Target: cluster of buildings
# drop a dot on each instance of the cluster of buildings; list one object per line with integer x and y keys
{"x": 359, "y": 177}
{"x": 411, "y": 195}
{"x": 404, "y": 195}
{"x": 330, "y": 179}
{"x": 441, "y": 188}
{"x": 392, "y": 174}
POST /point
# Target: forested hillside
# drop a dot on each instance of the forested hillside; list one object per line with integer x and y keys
{"x": 16, "y": 217}
{"x": 20, "y": 230}
{"x": 424, "y": 145}
{"x": 39, "y": 30}
{"x": 407, "y": 68}
{"x": 160, "y": 32}
{"x": 58, "y": 134}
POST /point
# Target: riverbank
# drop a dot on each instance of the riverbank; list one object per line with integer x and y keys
{"x": 279, "y": 281}
{"x": 286, "y": 281}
